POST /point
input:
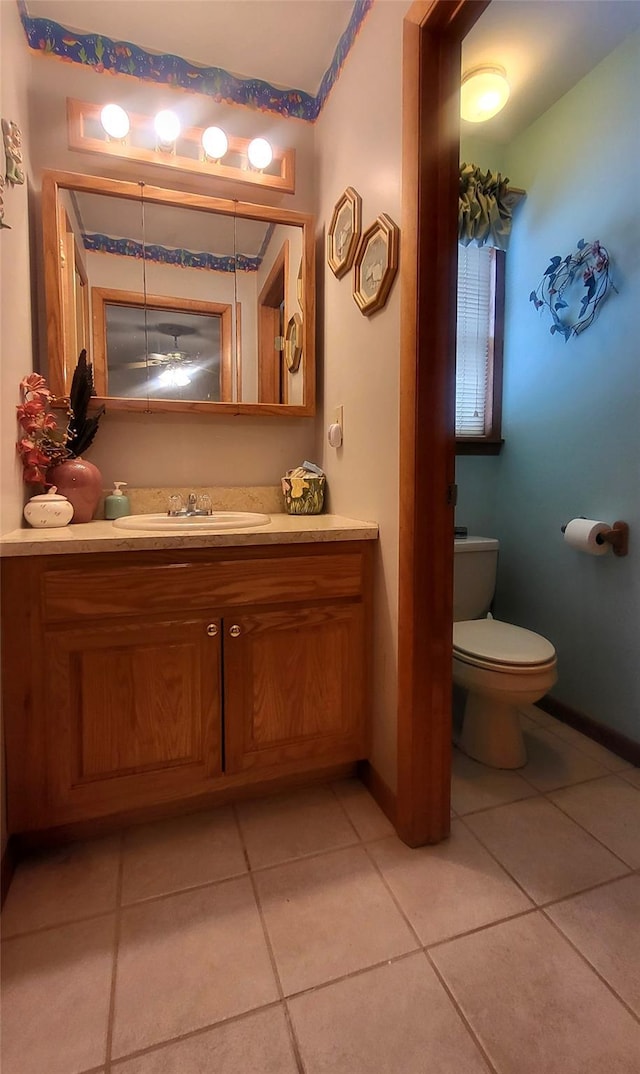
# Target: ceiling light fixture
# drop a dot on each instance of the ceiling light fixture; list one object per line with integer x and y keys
{"x": 484, "y": 92}
{"x": 260, "y": 153}
{"x": 167, "y": 127}
{"x": 214, "y": 143}
{"x": 115, "y": 121}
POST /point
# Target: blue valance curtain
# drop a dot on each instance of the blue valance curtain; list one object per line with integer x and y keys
{"x": 484, "y": 216}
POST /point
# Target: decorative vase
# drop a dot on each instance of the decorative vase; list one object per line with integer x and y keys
{"x": 81, "y": 483}
{"x": 45, "y": 512}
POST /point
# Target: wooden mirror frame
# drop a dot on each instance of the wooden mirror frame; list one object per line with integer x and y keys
{"x": 61, "y": 359}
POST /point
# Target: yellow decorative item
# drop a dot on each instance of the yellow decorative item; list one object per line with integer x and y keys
{"x": 303, "y": 491}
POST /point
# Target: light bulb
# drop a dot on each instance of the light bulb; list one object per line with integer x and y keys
{"x": 167, "y": 127}
{"x": 115, "y": 121}
{"x": 484, "y": 92}
{"x": 260, "y": 153}
{"x": 174, "y": 378}
{"x": 215, "y": 143}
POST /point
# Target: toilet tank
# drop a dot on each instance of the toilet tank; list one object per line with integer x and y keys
{"x": 475, "y": 563}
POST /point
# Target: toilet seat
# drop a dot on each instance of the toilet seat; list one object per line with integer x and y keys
{"x": 491, "y": 644}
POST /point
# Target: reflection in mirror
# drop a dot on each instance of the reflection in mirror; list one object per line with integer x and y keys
{"x": 179, "y": 303}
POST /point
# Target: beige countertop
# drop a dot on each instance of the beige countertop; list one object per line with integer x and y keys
{"x": 102, "y": 536}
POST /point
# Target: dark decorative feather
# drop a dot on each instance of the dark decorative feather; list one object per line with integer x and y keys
{"x": 82, "y": 429}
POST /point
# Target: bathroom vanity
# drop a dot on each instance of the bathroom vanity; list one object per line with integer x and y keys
{"x": 158, "y": 671}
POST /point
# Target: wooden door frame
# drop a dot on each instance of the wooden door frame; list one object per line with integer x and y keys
{"x": 432, "y": 44}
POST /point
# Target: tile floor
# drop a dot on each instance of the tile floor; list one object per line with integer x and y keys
{"x": 298, "y": 934}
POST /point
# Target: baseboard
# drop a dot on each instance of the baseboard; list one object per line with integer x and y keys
{"x": 613, "y": 740}
{"x": 26, "y": 841}
{"x": 9, "y": 860}
{"x": 378, "y": 789}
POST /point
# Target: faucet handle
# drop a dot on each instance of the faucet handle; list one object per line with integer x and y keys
{"x": 175, "y": 504}
{"x": 204, "y": 503}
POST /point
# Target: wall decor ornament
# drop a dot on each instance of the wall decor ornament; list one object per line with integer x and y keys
{"x": 2, "y": 223}
{"x": 12, "y": 138}
{"x": 344, "y": 232}
{"x": 376, "y": 264}
{"x": 564, "y": 278}
{"x": 293, "y": 343}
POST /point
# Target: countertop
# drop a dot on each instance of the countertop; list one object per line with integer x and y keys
{"x": 104, "y": 537}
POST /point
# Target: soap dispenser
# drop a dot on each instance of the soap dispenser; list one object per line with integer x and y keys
{"x": 117, "y": 504}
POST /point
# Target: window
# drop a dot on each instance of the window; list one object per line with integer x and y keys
{"x": 480, "y": 323}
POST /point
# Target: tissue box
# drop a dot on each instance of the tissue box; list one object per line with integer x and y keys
{"x": 303, "y": 495}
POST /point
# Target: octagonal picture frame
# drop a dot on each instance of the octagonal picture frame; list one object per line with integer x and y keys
{"x": 376, "y": 264}
{"x": 344, "y": 232}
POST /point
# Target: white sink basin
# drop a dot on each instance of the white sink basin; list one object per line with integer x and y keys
{"x": 219, "y": 520}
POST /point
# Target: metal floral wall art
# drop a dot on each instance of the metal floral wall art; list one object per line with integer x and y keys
{"x": 559, "y": 288}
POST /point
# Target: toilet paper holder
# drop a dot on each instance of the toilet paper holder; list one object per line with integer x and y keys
{"x": 617, "y": 537}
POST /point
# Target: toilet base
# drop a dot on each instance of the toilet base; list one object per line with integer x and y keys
{"x": 492, "y": 733}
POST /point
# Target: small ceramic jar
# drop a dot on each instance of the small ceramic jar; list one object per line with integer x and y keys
{"x": 45, "y": 512}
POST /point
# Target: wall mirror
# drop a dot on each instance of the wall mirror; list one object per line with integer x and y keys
{"x": 182, "y": 301}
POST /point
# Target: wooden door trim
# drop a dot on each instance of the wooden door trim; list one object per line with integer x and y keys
{"x": 266, "y": 299}
{"x": 433, "y": 34}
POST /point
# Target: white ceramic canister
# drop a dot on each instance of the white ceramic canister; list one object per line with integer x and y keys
{"x": 45, "y": 512}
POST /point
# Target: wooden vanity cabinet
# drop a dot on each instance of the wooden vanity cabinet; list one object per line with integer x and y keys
{"x": 133, "y": 680}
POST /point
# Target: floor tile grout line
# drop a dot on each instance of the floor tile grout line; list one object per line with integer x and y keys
{"x": 547, "y": 795}
{"x": 345, "y": 812}
{"x": 574, "y": 745}
{"x": 560, "y": 898}
{"x": 626, "y": 864}
{"x": 496, "y": 859}
{"x": 592, "y": 967}
{"x": 58, "y": 924}
{"x": 116, "y": 946}
{"x": 189, "y": 1034}
{"x": 394, "y": 899}
{"x": 352, "y": 973}
{"x": 195, "y": 887}
{"x": 497, "y": 805}
{"x": 433, "y": 944}
{"x": 267, "y": 939}
{"x": 463, "y": 1018}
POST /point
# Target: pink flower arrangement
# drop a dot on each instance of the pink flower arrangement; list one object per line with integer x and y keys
{"x": 43, "y": 443}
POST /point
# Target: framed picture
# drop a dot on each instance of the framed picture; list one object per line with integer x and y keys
{"x": 376, "y": 264}
{"x": 344, "y": 232}
{"x": 293, "y": 343}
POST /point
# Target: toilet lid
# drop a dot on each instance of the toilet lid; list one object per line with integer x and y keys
{"x": 501, "y": 643}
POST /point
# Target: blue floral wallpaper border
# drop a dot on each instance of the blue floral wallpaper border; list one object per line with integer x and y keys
{"x": 125, "y": 58}
{"x": 164, "y": 255}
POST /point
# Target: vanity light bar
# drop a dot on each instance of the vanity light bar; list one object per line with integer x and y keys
{"x": 86, "y": 134}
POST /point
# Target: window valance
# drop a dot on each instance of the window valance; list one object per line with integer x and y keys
{"x": 484, "y": 208}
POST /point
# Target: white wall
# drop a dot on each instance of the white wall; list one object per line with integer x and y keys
{"x": 16, "y": 354}
{"x": 358, "y": 143}
{"x": 16, "y": 348}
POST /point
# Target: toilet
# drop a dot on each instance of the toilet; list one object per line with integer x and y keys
{"x": 502, "y": 667}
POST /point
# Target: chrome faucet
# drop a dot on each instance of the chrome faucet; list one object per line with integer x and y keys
{"x": 196, "y": 505}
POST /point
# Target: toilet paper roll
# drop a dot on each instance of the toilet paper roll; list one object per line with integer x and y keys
{"x": 582, "y": 533}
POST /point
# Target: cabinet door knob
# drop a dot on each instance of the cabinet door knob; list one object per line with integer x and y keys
{"x": 212, "y": 630}
{"x": 235, "y": 631}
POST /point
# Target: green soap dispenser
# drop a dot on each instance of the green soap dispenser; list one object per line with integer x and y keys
{"x": 117, "y": 504}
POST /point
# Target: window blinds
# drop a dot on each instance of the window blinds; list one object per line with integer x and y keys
{"x": 475, "y": 330}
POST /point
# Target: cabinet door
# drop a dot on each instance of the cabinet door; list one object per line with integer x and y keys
{"x": 294, "y": 687}
{"x": 134, "y": 714}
